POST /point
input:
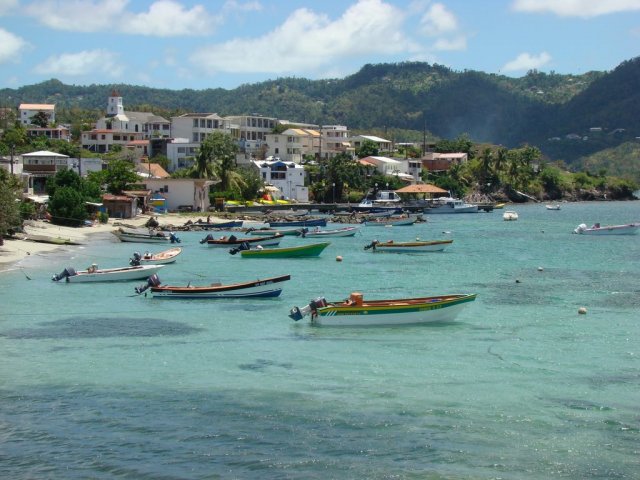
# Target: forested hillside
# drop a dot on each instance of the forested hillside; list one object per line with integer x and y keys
{"x": 538, "y": 109}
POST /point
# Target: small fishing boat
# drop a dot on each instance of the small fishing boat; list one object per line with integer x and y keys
{"x": 95, "y": 274}
{"x": 158, "y": 258}
{"x": 218, "y": 225}
{"x": 449, "y": 205}
{"x": 553, "y": 207}
{"x": 145, "y": 236}
{"x": 409, "y": 247}
{"x": 265, "y": 232}
{"x": 391, "y": 221}
{"x": 311, "y": 250}
{"x": 233, "y": 241}
{"x": 312, "y": 222}
{"x": 337, "y": 232}
{"x": 266, "y": 287}
{"x": 356, "y": 311}
{"x": 596, "y": 229}
{"x": 509, "y": 216}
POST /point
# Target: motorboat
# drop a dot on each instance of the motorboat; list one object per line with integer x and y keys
{"x": 158, "y": 258}
{"x": 553, "y": 207}
{"x": 449, "y": 205}
{"x": 509, "y": 215}
{"x": 310, "y": 250}
{"x": 145, "y": 236}
{"x": 409, "y": 247}
{"x": 262, "y": 287}
{"x": 597, "y": 229}
{"x": 356, "y": 311}
{"x": 95, "y": 274}
{"x": 233, "y": 241}
{"x": 336, "y": 232}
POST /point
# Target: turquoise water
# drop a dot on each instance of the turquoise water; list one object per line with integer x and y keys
{"x": 96, "y": 382}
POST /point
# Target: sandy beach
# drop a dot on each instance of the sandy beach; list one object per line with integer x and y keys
{"x": 14, "y": 250}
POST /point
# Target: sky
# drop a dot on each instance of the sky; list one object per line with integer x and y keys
{"x": 200, "y": 44}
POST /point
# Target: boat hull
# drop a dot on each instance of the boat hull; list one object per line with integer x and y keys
{"x": 265, "y": 288}
{"x": 266, "y": 241}
{"x": 403, "y": 222}
{"x": 115, "y": 274}
{"x": 317, "y": 222}
{"x": 268, "y": 233}
{"x": 383, "y": 313}
{"x": 630, "y": 229}
{"x": 142, "y": 237}
{"x": 161, "y": 258}
{"x": 412, "y": 247}
{"x": 340, "y": 232}
{"x": 312, "y": 250}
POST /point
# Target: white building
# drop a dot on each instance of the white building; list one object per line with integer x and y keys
{"x": 26, "y": 111}
{"x": 252, "y": 131}
{"x": 181, "y": 153}
{"x": 147, "y": 123}
{"x": 181, "y": 193}
{"x": 287, "y": 177}
{"x": 196, "y": 126}
{"x": 334, "y": 140}
{"x": 383, "y": 145}
{"x": 293, "y": 144}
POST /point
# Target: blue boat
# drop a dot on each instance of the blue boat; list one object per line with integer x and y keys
{"x": 314, "y": 222}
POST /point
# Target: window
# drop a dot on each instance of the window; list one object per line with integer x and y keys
{"x": 103, "y": 137}
{"x": 195, "y": 123}
{"x": 166, "y": 188}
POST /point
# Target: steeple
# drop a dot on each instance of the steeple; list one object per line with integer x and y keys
{"x": 115, "y": 106}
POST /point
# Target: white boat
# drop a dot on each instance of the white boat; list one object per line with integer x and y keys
{"x": 509, "y": 216}
{"x": 596, "y": 229}
{"x": 355, "y": 311}
{"x": 409, "y": 247}
{"x": 145, "y": 236}
{"x": 159, "y": 258}
{"x": 449, "y": 205}
{"x": 95, "y": 274}
{"x": 553, "y": 207}
{"x": 336, "y": 232}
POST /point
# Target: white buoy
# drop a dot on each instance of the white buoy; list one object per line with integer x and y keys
{"x": 540, "y": 269}
{"x": 582, "y": 311}
{"x": 339, "y": 258}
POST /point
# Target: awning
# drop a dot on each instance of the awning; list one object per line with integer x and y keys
{"x": 421, "y": 188}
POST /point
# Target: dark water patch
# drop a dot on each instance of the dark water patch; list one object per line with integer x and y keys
{"x": 262, "y": 364}
{"x": 102, "y": 327}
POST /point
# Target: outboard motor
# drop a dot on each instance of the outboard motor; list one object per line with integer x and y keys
{"x": 207, "y": 238}
{"x": 239, "y": 248}
{"x": 135, "y": 261}
{"x": 152, "y": 281}
{"x": 174, "y": 238}
{"x": 303, "y": 232}
{"x": 67, "y": 272}
{"x": 372, "y": 245}
{"x": 297, "y": 313}
{"x": 580, "y": 228}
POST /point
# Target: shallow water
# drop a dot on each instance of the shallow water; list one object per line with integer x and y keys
{"x": 97, "y": 382}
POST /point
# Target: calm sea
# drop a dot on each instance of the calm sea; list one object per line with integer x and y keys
{"x": 98, "y": 383}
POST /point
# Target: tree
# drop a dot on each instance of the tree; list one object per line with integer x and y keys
{"x": 13, "y": 139}
{"x": 118, "y": 175}
{"x": 368, "y": 148}
{"x": 67, "y": 207}
{"x": 40, "y": 119}
{"x": 9, "y": 208}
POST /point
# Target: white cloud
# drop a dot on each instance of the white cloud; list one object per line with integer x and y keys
{"x": 437, "y": 20}
{"x": 81, "y": 63}
{"x": 7, "y": 6}
{"x": 251, "y": 6}
{"x": 165, "y": 18}
{"x": 576, "y": 8}
{"x": 526, "y": 61}
{"x": 458, "y": 42}
{"x": 307, "y": 41}
{"x": 10, "y": 46}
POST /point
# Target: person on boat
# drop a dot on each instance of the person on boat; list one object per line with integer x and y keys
{"x": 93, "y": 268}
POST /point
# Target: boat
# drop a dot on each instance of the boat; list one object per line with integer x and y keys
{"x": 145, "y": 236}
{"x": 218, "y": 225}
{"x": 311, "y": 250}
{"x": 159, "y": 258}
{"x": 50, "y": 239}
{"x": 312, "y": 222}
{"x": 355, "y": 311}
{"x": 449, "y": 205}
{"x": 383, "y": 203}
{"x": 233, "y": 241}
{"x": 509, "y": 215}
{"x": 95, "y": 274}
{"x": 409, "y": 247}
{"x": 265, "y": 232}
{"x": 553, "y": 207}
{"x": 391, "y": 221}
{"x": 597, "y": 229}
{"x": 265, "y": 287}
{"x": 499, "y": 205}
{"x": 336, "y": 232}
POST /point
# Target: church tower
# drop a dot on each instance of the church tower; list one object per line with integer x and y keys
{"x": 115, "y": 106}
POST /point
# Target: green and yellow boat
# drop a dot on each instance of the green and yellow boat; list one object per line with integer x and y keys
{"x": 311, "y": 250}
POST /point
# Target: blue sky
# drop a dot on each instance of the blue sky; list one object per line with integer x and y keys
{"x": 209, "y": 44}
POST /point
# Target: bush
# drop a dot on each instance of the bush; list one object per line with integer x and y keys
{"x": 103, "y": 217}
{"x": 27, "y": 210}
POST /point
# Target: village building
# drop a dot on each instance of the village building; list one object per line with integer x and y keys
{"x": 293, "y": 144}
{"x": 26, "y": 112}
{"x": 287, "y": 178}
{"x": 439, "y": 162}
